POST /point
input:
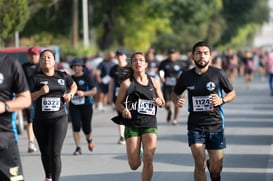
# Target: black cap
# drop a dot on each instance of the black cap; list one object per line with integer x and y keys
{"x": 171, "y": 50}
{"x": 120, "y": 52}
{"x": 77, "y": 61}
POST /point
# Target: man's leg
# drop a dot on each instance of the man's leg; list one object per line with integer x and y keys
{"x": 199, "y": 155}
{"x": 215, "y": 164}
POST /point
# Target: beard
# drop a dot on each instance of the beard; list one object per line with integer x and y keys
{"x": 200, "y": 65}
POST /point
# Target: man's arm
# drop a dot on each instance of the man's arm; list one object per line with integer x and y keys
{"x": 22, "y": 100}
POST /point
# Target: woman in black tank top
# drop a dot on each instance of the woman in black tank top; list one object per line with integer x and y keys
{"x": 137, "y": 102}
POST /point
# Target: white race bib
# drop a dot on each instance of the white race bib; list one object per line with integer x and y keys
{"x": 78, "y": 100}
{"x": 202, "y": 103}
{"x": 147, "y": 107}
{"x": 170, "y": 81}
{"x": 51, "y": 103}
{"x": 117, "y": 91}
{"x": 106, "y": 79}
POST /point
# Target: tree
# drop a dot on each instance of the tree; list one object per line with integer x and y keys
{"x": 243, "y": 18}
{"x": 13, "y": 17}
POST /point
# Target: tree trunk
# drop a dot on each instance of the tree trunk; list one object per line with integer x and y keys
{"x": 75, "y": 24}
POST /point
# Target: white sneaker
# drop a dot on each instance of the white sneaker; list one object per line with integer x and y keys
{"x": 31, "y": 147}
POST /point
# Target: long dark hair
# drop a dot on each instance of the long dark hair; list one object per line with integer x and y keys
{"x": 127, "y": 72}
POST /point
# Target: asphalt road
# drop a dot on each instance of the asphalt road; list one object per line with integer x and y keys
{"x": 248, "y": 156}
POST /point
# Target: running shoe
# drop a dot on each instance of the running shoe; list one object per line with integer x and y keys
{"x": 175, "y": 122}
{"x": 90, "y": 145}
{"x": 121, "y": 140}
{"x": 48, "y": 179}
{"x": 78, "y": 151}
{"x": 31, "y": 147}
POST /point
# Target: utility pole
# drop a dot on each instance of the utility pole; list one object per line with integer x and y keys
{"x": 85, "y": 23}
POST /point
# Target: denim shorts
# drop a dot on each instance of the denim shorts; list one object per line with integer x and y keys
{"x": 212, "y": 140}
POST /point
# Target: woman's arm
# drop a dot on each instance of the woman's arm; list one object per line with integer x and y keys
{"x": 159, "y": 99}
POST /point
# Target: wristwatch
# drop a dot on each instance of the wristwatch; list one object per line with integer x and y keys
{"x": 223, "y": 100}
{"x": 6, "y": 107}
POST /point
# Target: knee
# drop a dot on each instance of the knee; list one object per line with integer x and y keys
{"x": 147, "y": 158}
{"x": 134, "y": 164}
{"x": 200, "y": 166}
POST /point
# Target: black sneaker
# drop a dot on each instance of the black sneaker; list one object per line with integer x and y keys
{"x": 169, "y": 116}
{"x": 77, "y": 151}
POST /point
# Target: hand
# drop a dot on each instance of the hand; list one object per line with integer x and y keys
{"x": 159, "y": 101}
{"x": 67, "y": 97}
{"x": 216, "y": 100}
{"x": 80, "y": 93}
{"x": 45, "y": 89}
{"x": 126, "y": 114}
{"x": 180, "y": 102}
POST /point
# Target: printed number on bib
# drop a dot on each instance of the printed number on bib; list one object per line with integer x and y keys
{"x": 78, "y": 100}
{"x": 202, "y": 103}
{"x": 147, "y": 107}
{"x": 170, "y": 81}
{"x": 51, "y": 104}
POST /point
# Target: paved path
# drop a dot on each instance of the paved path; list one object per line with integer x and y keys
{"x": 248, "y": 157}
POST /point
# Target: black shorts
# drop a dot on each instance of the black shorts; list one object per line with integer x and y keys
{"x": 103, "y": 88}
{"x": 167, "y": 92}
{"x": 212, "y": 140}
{"x": 10, "y": 162}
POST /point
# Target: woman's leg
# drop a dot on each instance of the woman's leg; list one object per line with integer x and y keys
{"x": 58, "y": 132}
{"x": 149, "y": 142}
{"x": 41, "y": 132}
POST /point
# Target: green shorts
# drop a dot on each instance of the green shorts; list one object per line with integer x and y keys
{"x": 137, "y": 132}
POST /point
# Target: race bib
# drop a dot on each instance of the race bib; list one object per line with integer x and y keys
{"x": 51, "y": 103}
{"x": 78, "y": 100}
{"x": 106, "y": 79}
{"x": 147, "y": 107}
{"x": 202, "y": 103}
{"x": 170, "y": 81}
{"x": 117, "y": 91}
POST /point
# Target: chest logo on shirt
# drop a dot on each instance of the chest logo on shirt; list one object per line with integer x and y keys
{"x": 61, "y": 81}
{"x": 1, "y": 78}
{"x": 44, "y": 82}
{"x": 81, "y": 82}
{"x": 210, "y": 86}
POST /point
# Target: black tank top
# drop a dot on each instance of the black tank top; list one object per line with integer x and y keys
{"x": 139, "y": 101}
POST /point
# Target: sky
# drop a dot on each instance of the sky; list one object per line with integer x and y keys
{"x": 265, "y": 36}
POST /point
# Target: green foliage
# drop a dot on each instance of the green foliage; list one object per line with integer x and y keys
{"x": 13, "y": 16}
{"x": 239, "y": 14}
{"x": 243, "y": 39}
{"x": 135, "y": 24}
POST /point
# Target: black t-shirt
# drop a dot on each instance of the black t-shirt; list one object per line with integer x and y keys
{"x": 12, "y": 81}
{"x": 50, "y": 105}
{"x": 84, "y": 83}
{"x": 203, "y": 116}
{"x": 172, "y": 70}
{"x": 115, "y": 74}
{"x": 30, "y": 69}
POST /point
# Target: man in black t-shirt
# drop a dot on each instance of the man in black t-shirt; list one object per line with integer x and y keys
{"x": 205, "y": 85}
{"x": 169, "y": 70}
{"x": 14, "y": 95}
{"x": 31, "y": 68}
